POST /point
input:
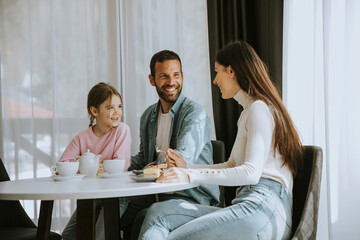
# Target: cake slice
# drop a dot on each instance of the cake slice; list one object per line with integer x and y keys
{"x": 152, "y": 171}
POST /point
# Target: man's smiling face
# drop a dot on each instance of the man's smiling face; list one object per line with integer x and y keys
{"x": 168, "y": 80}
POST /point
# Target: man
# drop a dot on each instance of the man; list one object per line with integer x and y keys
{"x": 174, "y": 122}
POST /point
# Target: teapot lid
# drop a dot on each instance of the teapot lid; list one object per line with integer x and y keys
{"x": 88, "y": 152}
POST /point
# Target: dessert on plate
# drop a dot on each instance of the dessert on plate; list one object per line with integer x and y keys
{"x": 154, "y": 170}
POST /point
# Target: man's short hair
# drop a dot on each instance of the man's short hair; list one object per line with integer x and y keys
{"x": 162, "y": 56}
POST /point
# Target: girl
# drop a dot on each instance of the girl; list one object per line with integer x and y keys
{"x": 106, "y": 135}
{"x": 267, "y": 153}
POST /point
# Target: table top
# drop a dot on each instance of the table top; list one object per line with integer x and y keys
{"x": 85, "y": 188}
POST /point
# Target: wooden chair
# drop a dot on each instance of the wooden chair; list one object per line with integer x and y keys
{"x": 15, "y": 224}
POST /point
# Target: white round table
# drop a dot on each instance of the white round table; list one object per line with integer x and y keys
{"x": 85, "y": 190}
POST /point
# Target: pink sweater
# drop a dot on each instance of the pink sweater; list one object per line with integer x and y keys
{"x": 116, "y": 144}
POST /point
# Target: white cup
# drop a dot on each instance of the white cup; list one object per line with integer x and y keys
{"x": 65, "y": 169}
{"x": 114, "y": 166}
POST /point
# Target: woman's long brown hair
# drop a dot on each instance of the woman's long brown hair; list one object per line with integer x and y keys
{"x": 253, "y": 77}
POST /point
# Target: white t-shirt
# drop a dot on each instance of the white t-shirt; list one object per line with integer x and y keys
{"x": 162, "y": 138}
{"x": 252, "y": 155}
{"x": 163, "y": 132}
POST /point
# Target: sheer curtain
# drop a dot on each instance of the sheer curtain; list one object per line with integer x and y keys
{"x": 151, "y": 26}
{"x": 51, "y": 54}
{"x": 321, "y": 81}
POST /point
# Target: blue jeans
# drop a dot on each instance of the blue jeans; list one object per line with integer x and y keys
{"x": 261, "y": 211}
{"x": 137, "y": 209}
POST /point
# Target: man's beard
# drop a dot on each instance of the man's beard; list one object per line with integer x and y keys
{"x": 162, "y": 93}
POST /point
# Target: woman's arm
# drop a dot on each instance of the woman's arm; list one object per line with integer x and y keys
{"x": 259, "y": 126}
{"x": 256, "y": 140}
{"x": 174, "y": 159}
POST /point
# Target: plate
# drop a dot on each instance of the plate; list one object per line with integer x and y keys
{"x": 112, "y": 175}
{"x": 141, "y": 178}
{"x": 67, "y": 178}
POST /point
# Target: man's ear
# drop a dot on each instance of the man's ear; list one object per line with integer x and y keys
{"x": 152, "y": 80}
{"x": 93, "y": 111}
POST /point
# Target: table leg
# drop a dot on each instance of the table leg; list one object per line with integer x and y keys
{"x": 85, "y": 219}
{"x": 44, "y": 223}
{"x": 112, "y": 218}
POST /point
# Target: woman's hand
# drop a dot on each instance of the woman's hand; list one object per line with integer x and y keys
{"x": 173, "y": 175}
{"x": 174, "y": 159}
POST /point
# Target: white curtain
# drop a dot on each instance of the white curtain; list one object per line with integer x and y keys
{"x": 321, "y": 83}
{"x": 151, "y": 26}
{"x": 52, "y": 52}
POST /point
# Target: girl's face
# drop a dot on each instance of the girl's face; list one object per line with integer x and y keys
{"x": 226, "y": 80}
{"x": 108, "y": 114}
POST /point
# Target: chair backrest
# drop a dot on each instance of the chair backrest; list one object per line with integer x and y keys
{"x": 4, "y": 176}
{"x": 218, "y": 151}
{"x": 306, "y": 194}
{"x": 219, "y": 157}
{"x": 12, "y": 213}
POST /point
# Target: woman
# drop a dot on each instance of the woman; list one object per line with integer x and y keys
{"x": 267, "y": 153}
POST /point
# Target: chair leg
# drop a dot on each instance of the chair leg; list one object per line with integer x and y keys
{"x": 44, "y": 224}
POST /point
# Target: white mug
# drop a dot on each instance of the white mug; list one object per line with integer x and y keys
{"x": 114, "y": 166}
{"x": 65, "y": 169}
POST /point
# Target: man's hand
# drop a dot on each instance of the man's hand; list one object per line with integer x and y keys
{"x": 173, "y": 175}
{"x": 174, "y": 159}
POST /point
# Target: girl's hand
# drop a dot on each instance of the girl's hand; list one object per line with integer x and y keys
{"x": 173, "y": 175}
{"x": 174, "y": 159}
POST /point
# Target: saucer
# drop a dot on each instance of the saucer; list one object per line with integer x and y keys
{"x": 141, "y": 178}
{"x": 112, "y": 175}
{"x": 67, "y": 178}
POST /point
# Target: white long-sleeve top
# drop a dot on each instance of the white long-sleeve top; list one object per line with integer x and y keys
{"x": 252, "y": 155}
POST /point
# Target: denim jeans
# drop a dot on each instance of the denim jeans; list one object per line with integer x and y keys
{"x": 261, "y": 211}
{"x": 132, "y": 211}
{"x": 137, "y": 209}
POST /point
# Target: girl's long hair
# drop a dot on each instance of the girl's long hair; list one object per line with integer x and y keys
{"x": 253, "y": 77}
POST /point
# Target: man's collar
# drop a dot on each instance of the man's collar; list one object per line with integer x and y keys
{"x": 174, "y": 108}
{"x": 177, "y": 104}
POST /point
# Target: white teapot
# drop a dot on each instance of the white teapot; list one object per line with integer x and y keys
{"x": 88, "y": 163}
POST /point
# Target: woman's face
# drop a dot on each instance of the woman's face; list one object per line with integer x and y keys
{"x": 226, "y": 80}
